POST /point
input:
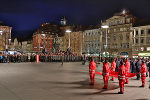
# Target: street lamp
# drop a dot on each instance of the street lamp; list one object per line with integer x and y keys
{"x": 1, "y": 32}
{"x": 39, "y": 38}
{"x": 43, "y": 47}
{"x": 9, "y": 43}
{"x": 69, "y": 31}
{"x": 105, "y": 27}
{"x": 9, "y": 39}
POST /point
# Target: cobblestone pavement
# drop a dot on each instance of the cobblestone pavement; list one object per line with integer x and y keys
{"x": 52, "y": 81}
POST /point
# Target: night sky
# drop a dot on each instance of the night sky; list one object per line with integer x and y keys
{"x": 24, "y": 16}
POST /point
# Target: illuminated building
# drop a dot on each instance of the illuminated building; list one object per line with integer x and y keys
{"x": 141, "y": 38}
{"x": 119, "y": 35}
{"x": 76, "y": 39}
{"x": 92, "y": 41}
{"x": 43, "y": 38}
{"x": 5, "y": 38}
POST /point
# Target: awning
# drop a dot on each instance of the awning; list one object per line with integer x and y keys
{"x": 123, "y": 53}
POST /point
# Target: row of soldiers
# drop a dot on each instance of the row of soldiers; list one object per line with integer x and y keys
{"x": 60, "y": 58}
{"x": 123, "y": 71}
{"x": 17, "y": 58}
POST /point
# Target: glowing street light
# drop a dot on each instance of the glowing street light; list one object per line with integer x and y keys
{"x": 69, "y": 31}
{"x": 105, "y": 27}
{"x": 1, "y": 32}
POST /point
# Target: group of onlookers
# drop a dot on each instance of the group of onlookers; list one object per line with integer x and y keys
{"x": 17, "y": 58}
{"x": 135, "y": 65}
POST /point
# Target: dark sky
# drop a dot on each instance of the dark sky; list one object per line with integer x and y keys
{"x": 24, "y": 16}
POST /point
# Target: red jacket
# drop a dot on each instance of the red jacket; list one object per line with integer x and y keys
{"x": 127, "y": 66}
{"x": 121, "y": 72}
{"x": 92, "y": 66}
{"x": 113, "y": 66}
{"x": 143, "y": 70}
{"x": 106, "y": 69}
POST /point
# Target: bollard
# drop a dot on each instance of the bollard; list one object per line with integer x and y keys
{"x": 37, "y": 58}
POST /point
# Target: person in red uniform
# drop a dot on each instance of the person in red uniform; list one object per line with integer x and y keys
{"x": 113, "y": 67}
{"x": 143, "y": 73}
{"x": 92, "y": 67}
{"x": 105, "y": 73}
{"x": 121, "y": 77}
{"x": 127, "y": 67}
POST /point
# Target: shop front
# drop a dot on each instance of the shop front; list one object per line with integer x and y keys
{"x": 144, "y": 55}
{"x": 124, "y": 54}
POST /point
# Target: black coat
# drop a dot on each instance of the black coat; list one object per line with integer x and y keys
{"x": 133, "y": 67}
{"x": 138, "y": 66}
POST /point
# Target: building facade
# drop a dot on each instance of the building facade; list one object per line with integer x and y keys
{"x": 92, "y": 41}
{"x": 5, "y": 38}
{"x": 61, "y": 43}
{"x": 16, "y": 45}
{"x": 141, "y": 41}
{"x": 76, "y": 42}
{"x": 64, "y": 38}
{"x": 22, "y": 46}
{"x": 44, "y": 37}
{"x": 117, "y": 38}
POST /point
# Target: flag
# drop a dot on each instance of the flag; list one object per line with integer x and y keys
{"x": 130, "y": 75}
{"x": 115, "y": 74}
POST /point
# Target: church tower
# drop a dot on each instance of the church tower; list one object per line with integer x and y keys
{"x": 63, "y": 21}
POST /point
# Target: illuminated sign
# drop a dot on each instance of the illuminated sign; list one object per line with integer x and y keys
{"x": 144, "y": 54}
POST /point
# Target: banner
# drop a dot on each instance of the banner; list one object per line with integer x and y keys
{"x": 115, "y": 74}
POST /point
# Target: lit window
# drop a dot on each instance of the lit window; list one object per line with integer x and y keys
{"x": 136, "y": 40}
{"x": 108, "y": 37}
{"x": 136, "y": 32}
{"x": 142, "y": 48}
{"x": 142, "y": 40}
{"x": 148, "y": 48}
{"x": 142, "y": 32}
{"x": 121, "y": 36}
{"x": 127, "y": 36}
{"x": 128, "y": 20}
{"x": 147, "y": 40}
{"x": 127, "y": 45}
{"x": 148, "y": 32}
{"x": 121, "y": 45}
{"x": 121, "y": 29}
